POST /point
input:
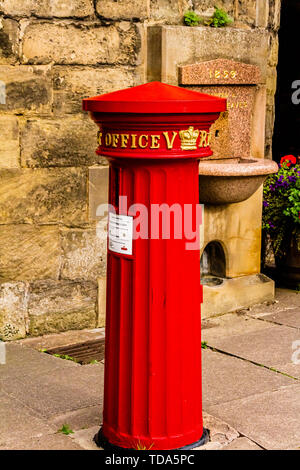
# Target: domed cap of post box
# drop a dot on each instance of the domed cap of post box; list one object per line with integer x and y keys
{"x": 155, "y": 98}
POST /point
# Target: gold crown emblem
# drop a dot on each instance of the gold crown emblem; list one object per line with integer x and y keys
{"x": 189, "y": 138}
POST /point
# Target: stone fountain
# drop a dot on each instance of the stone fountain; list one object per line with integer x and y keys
{"x": 230, "y": 186}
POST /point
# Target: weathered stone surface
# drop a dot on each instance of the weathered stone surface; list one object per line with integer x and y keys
{"x": 271, "y": 84}
{"x": 290, "y": 317}
{"x": 234, "y": 379}
{"x": 60, "y": 306}
{"x": 242, "y": 443}
{"x": 23, "y": 362}
{"x": 168, "y": 11}
{"x": 12, "y": 310}
{"x": 239, "y": 131}
{"x": 98, "y": 190}
{"x": 219, "y": 72}
{"x": 170, "y": 46}
{"x": 25, "y": 89}
{"x": 9, "y": 142}
{"x": 79, "y": 419}
{"x": 47, "y": 8}
{"x": 29, "y": 252}
{"x": 271, "y": 419}
{"x": 62, "y": 390}
{"x": 219, "y": 432}
{"x": 262, "y": 13}
{"x": 101, "y": 302}
{"x": 48, "y": 442}
{"x": 205, "y": 8}
{"x": 270, "y": 119}
{"x": 9, "y": 41}
{"x": 70, "y": 141}
{"x": 246, "y": 12}
{"x": 66, "y": 338}
{"x": 84, "y": 254}
{"x": 72, "y": 84}
{"x": 232, "y": 133}
{"x": 231, "y": 324}
{"x": 126, "y": 9}
{"x": 273, "y": 55}
{"x": 241, "y": 240}
{"x": 274, "y": 16}
{"x": 17, "y": 420}
{"x": 273, "y": 348}
{"x": 73, "y": 44}
{"x": 85, "y": 438}
{"x": 43, "y": 195}
{"x": 237, "y": 293}
{"x": 183, "y": 45}
{"x": 285, "y": 300}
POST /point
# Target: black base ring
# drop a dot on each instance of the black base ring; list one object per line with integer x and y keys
{"x": 101, "y": 441}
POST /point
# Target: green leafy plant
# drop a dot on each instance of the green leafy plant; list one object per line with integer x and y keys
{"x": 281, "y": 205}
{"x": 219, "y": 19}
{"x": 204, "y": 345}
{"x": 94, "y": 361}
{"x": 65, "y": 429}
{"x": 191, "y": 18}
{"x": 66, "y": 357}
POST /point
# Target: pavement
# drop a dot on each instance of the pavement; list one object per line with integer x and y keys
{"x": 251, "y": 385}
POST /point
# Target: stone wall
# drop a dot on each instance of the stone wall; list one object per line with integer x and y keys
{"x": 53, "y": 53}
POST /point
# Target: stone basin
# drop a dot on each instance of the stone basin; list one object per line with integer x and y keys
{"x": 229, "y": 180}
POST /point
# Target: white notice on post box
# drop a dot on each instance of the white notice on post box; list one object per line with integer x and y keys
{"x": 120, "y": 232}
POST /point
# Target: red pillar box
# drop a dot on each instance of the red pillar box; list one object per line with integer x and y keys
{"x": 153, "y": 136}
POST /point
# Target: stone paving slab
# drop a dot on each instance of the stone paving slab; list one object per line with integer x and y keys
{"x": 49, "y": 442}
{"x": 285, "y": 299}
{"x": 272, "y": 347}
{"x": 17, "y": 421}
{"x": 227, "y": 378}
{"x": 79, "y": 419}
{"x": 271, "y": 419}
{"x": 220, "y": 433}
{"x": 242, "y": 443}
{"x": 21, "y": 361}
{"x": 285, "y": 317}
{"x": 229, "y": 325}
{"x": 60, "y": 391}
{"x": 85, "y": 438}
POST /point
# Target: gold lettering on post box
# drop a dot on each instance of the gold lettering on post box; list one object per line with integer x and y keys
{"x": 115, "y": 139}
{"x": 189, "y": 138}
{"x": 141, "y": 137}
{"x": 100, "y": 138}
{"x": 209, "y": 137}
{"x": 133, "y": 141}
{"x": 108, "y": 139}
{"x": 169, "y": 142}
{"x": 124, "y": 140}
{"x": 155, "y": 142}
{"x": 203, "y": 139}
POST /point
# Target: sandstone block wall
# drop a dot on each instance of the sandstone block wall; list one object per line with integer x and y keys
{"x": 53, "y": 53}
